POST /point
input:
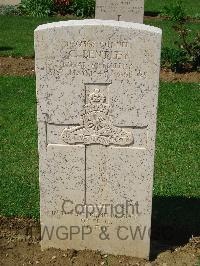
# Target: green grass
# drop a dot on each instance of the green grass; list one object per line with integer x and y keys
{"x": 176, "y": 173}
{"x": 16, "y": 33}
{"x": 19, "y": 181}
{"x": 176, "y": 180}
{"x": 169, "y": 36}
{"x": 178, "y": 138}
{"x": 192, "y": 7}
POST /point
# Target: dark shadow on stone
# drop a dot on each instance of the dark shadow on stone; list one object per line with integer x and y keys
{"x": 6, "y": 48}
{"x": 151, "y": 13}
{"x": 174, "y": 221}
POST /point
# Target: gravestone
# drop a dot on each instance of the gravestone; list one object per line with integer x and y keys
{"x": 97, "y": 91}
{"x": 120, "y": 10}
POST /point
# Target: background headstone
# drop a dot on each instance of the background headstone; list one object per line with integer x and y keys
{"x": 120, "y": 10}
{"x": 97, "y": 91}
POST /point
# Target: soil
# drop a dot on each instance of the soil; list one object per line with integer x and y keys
{"x": 19, "y": 245}
{"x": 188, "y": 77}
{"x": 11, "y": 66}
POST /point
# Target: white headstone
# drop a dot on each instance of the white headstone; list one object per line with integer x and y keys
{"x": 120, "y": 10}
{"x": 97, "y": 91}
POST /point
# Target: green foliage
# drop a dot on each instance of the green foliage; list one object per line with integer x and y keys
{"x": 83, "y": 8}
{"x": 40, "y": 8}
{"x": 192, "y": 7}
{"x": 173, "y": 59}
{"x": 175, "y": 11}
{"x": 188, "y": 55}
{"x": 37, "y": 8}
{"x": 9, "y": 10}
{"x": 191, "y": 48}
{"x": 197, "y": 16}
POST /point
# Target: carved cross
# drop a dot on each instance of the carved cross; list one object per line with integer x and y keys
{"x": 96, "y": 127}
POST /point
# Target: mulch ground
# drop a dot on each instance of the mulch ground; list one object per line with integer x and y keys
{"x": 11, "y": 66}
{"x": 19, "y": 245}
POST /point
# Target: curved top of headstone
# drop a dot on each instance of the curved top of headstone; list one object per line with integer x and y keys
{"x": 98, "y": 22}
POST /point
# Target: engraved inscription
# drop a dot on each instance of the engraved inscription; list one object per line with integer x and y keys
{"x": 123, "y": 6}
{"x": 96, "y": 126}
{"x": 129, "y": 10}
{"x": 94, "y": 59}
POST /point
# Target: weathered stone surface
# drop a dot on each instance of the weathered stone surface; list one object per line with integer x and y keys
{"x": 97, "y": 91}
{"x": 9, "y": 2}
{"x": 120, "y": 10}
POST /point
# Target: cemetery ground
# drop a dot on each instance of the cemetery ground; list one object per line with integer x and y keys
{"x": 154, "y": 7}
{"x": 17, "y": 51}
{"x": 16, "y": 33}
{"x": 176, "y": 195}
{"x": 176, "y": 202}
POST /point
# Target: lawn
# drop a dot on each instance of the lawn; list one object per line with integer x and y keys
{"x": 16, "y": 33}
{"x": 176, "y": 173}
{"x": 192, "y": 7}
{"x": 19, "y": 181}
